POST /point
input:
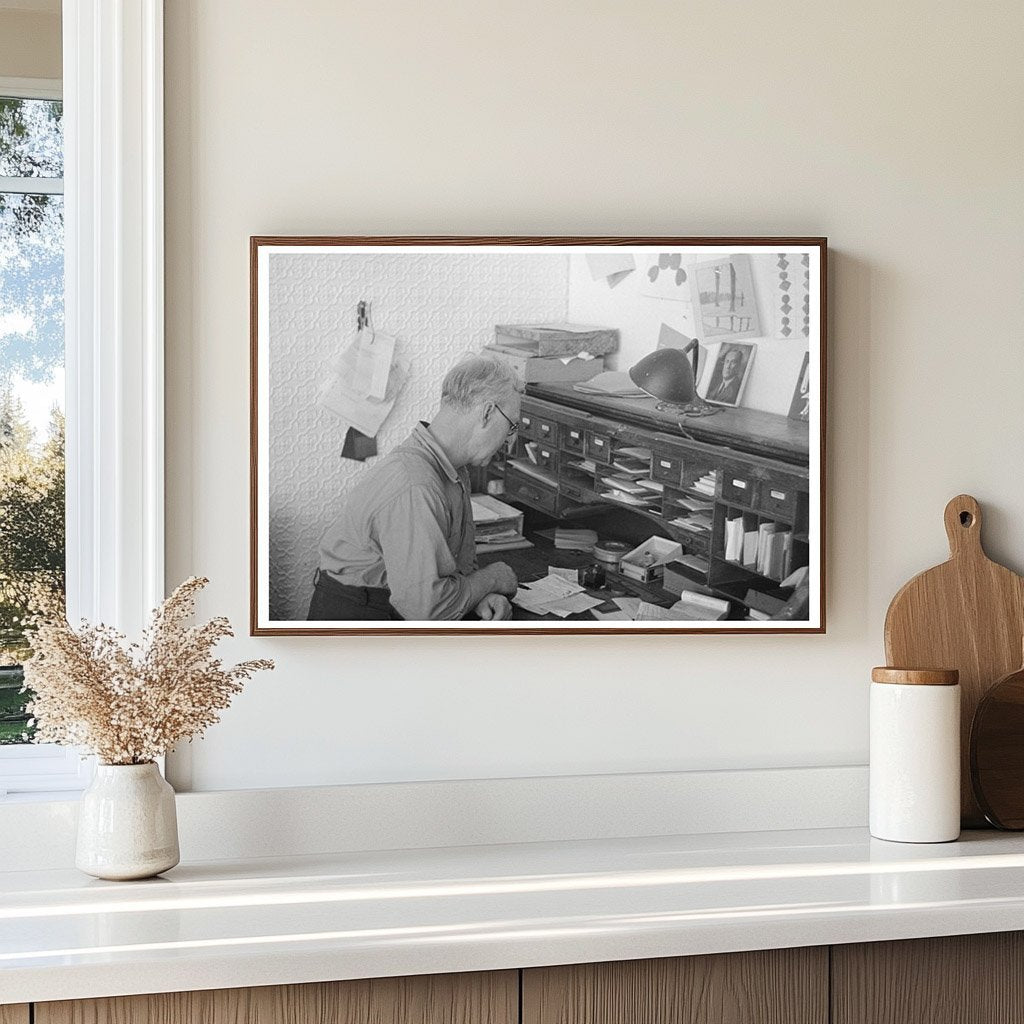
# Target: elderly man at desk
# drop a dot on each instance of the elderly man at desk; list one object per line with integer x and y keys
{"x": 404, "y": 547}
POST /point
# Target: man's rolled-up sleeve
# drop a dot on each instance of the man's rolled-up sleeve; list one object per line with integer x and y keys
{"x": 422, "y": 574}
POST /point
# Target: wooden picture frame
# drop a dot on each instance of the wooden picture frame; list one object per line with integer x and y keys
{"x": 720, "y": 484}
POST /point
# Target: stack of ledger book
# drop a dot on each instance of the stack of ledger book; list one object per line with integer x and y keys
{"x": 499, "y": 527}
{"x": 767, "y": 550}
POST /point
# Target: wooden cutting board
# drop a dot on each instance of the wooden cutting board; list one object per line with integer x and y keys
{"x": 967, "y": 614}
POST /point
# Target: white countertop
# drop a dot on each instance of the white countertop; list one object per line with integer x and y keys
{"x": 226, "y": 924}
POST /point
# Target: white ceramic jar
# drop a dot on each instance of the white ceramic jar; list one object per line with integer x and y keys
{"x": 127, "y": 823}
{"x": 915, "y": 755}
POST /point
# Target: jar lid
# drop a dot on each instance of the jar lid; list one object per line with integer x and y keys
{"x": 611, "y": 550}
{"x": 916, "y": 676}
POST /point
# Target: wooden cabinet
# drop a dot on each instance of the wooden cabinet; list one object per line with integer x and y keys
{"x": 966, "y": 979}
{"x": 960, "y": 979}
{"x": 565, "y": 461}
{"x": 481, "y": 998}
{"x": 777, "y": 986}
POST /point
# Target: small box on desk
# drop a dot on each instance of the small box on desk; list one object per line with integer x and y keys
{"x": 557, "y": 339}
{"x": 647, "y": 562}
{"x": 546, "y": 369}
{"x": 682, "y": 575}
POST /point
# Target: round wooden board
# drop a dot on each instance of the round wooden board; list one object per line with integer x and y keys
{"x": 997, "y": 752}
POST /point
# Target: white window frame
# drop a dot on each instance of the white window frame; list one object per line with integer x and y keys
{"x": 37, "y": 767}
{"x": 114, "y": 324}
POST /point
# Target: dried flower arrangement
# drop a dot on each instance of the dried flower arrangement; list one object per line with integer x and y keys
{"x": 130, "y": 703}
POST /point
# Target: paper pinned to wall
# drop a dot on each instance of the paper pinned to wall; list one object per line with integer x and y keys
{"x": 612, "y": 266}
{"x": 365, "y": 364}
{"x": 367, "y": 415}
{"x": 667, "y": 277}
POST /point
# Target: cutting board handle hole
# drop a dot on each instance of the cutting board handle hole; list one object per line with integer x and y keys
{"x": 966, "y": 519}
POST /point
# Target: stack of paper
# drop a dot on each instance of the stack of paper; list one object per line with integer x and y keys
{"x": 641, "y": 500}
{"x": 652, "y": 485}
{"x": 708, "y": 483}
{"x": 701, "y": 522}
{"x": 574, "y": 540}
{"x": 694, "y": 504}
{"x": 622, "y": 483}
{"x": 643, "y": 454}
{"x": 612, "y": 384}
{"x": 628, "y": 465}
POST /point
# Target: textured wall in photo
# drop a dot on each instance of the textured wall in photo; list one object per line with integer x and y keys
{"x": 438, "y": 306}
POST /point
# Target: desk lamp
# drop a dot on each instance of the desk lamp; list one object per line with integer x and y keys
{"x": 666, "y": 374}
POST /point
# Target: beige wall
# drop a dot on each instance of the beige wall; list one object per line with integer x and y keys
{"x": 892, "y": 128}
{"x": 29, "y": 44}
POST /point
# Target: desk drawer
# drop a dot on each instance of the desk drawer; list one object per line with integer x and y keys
{"x": 572, "y": 438}
{"x": 667, "y": 468}
{"x": 779, "y": 497}
{"x": 575, "y": 490}
{"x": 698, "y": 541}
{"x": 520, "y": 486}
{"x": 597, "y": 446}
{"x": 537, "y": 427}
{"x": 740, "y": 485}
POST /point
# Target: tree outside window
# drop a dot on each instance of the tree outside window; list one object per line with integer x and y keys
{"x": 32, "y": 544}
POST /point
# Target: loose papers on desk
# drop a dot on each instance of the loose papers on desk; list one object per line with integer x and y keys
{"x": 554, "y": 595}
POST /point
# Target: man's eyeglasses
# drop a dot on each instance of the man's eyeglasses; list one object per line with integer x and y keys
{"x": 513, "y": 427}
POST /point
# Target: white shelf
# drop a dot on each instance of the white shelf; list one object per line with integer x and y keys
{"x": 352, "y": 915}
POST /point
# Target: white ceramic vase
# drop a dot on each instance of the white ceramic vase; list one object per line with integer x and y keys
{"x": 127, "y": 825}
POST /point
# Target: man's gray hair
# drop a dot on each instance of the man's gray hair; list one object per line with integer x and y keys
{"x": 478, "y": 379}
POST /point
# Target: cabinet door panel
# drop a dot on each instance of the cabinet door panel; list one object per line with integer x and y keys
{"x": 14, "y": 1014}
{"x": 779, "y": 986}
{"x": 483, "y": 998}
{"x": 960, "y": 979}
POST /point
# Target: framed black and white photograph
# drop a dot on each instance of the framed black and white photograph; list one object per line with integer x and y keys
{"x": 536, "y": 435}
{"x": 729, "y": 366}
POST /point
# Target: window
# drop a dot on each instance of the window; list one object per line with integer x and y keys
{"x": 113, "y": 330}
{"x": 32, "y": 530}
{"x": 31, "y": 382}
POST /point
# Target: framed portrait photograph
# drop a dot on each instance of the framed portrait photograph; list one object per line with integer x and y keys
{"x": 536, "y": 435}
{"x": 729, "y": 365}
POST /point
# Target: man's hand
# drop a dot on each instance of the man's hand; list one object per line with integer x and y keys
{"x": 494, "y": 606}
{"x": 503, "y": 579}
